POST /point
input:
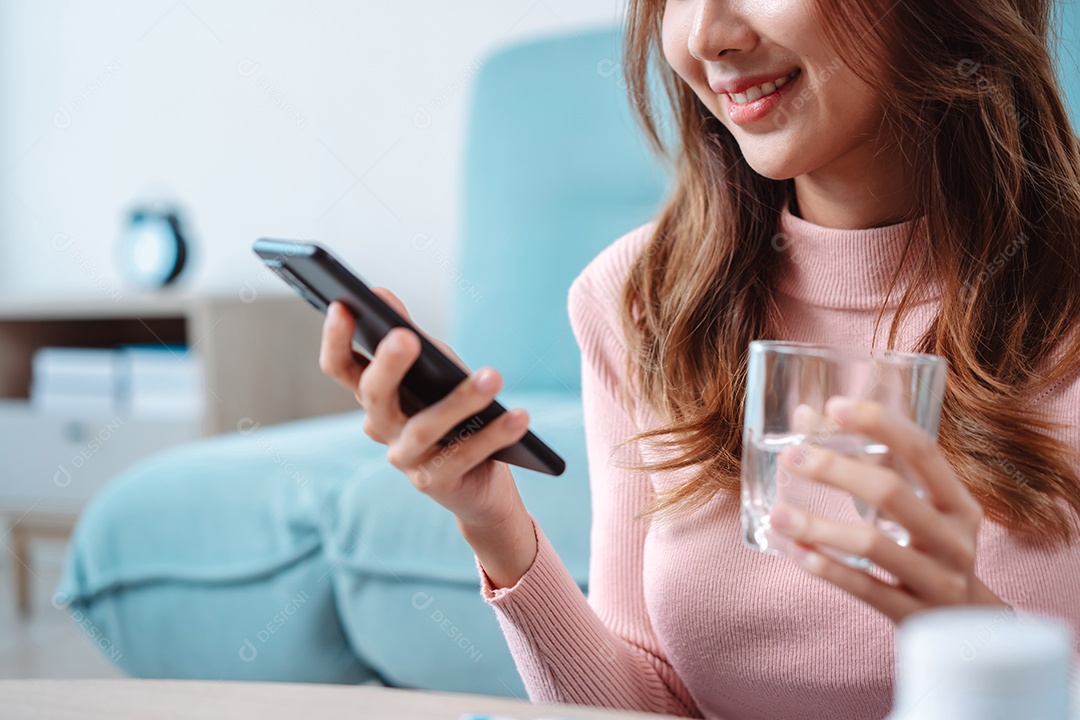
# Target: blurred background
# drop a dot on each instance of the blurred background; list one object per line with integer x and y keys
{"x": 144, "y": 146}
{"x": 182, "y": 493}
{"x": 328, "y": 119}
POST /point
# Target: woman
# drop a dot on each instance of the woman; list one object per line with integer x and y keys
{"x": 901, "y": 173}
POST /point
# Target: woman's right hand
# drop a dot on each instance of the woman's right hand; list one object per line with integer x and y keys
{"x": 460, "y": 476}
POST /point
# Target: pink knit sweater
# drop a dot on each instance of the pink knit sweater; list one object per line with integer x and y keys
{"x": 681, "y": 618}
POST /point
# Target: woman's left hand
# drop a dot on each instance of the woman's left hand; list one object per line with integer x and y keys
{"x": 937, "y": 567}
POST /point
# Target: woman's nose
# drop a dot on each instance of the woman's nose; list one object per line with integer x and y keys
{"x": 717, "y": 28}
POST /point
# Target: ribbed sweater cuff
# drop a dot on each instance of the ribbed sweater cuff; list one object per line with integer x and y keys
{"x": 546, "y": 572}
{"x": 563, "y": 651}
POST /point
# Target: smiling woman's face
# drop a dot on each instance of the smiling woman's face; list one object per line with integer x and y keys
{"x": 823, "y": 117}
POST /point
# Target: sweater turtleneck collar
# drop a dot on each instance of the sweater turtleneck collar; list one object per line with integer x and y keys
{"x": 848, "y": 269}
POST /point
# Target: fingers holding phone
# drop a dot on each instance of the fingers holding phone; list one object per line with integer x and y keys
{"x": 417, "y": 450}
{"x": 457, "y": 476}
{"x": 337, "y": 359}
{"x": 434, "y": 438}
{"x": 418, "y": 375}
{"x": 392, "y": 300}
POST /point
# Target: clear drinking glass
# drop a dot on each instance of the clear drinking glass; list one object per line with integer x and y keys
{"x": 786, "y": 388}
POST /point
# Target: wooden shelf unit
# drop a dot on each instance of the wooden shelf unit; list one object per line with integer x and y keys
{"x": 260, "y": 365}
{"x": 260, "y": 358}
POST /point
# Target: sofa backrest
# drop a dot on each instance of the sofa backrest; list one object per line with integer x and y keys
{"x": 555, "y": 169}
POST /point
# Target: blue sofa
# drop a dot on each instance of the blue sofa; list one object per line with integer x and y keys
{"x": 296, "y": 552}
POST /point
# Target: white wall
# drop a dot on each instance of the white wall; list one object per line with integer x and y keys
{"x": 333, "y": 120}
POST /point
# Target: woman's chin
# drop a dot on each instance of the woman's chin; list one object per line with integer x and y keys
{"x": 773, "y": 167}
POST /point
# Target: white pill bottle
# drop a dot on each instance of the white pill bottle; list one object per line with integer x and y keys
{"x": 983, "y": 663}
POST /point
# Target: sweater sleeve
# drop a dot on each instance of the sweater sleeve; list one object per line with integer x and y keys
{"x": 600, "y": 651}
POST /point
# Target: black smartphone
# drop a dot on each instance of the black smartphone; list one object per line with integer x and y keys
{"x": 320, "y": 278}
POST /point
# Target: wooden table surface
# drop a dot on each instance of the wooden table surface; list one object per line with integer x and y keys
{"x": 208, "y": 700}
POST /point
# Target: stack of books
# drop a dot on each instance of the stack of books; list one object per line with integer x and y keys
{"x": 160, "y": 381}
{"x": 75, "y": 381}
{"x": 140, "y": 381}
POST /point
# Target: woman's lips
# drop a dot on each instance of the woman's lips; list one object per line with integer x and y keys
{"x": 758, "y": 109}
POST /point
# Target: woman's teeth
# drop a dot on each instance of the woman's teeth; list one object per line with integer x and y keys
{"x": 751, "y": 94}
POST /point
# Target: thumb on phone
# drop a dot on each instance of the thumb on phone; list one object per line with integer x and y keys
{"x": 399, "y": 307}
{"x": 392, "y": 300}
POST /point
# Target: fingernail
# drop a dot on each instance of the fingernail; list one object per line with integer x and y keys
{"x": 793, "y": 455}
{"x": 811, "y": 561}
{"x": 485, "y": 380}
{"x": 809, "y": 458}
{"x": 786, "y": 519}
{"x": 517, "y": 419}
{"x": 840, "y": 407}
{"x": 804, "y": 418}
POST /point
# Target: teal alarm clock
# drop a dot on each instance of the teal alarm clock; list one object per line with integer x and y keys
{"x": 152, "y": 249}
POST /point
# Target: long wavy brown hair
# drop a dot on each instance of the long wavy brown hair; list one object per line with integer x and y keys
{"x": 977, "y": 105}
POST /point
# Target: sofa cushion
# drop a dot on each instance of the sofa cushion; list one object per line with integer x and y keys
{"x": 407, "y": 584}
{"x": 232, "y": 507}
{"x": 382, "y": 524}
{"x": 281, "y": 626}
{"x": 303, "y": 535}
{"x": 204, "y": 561}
